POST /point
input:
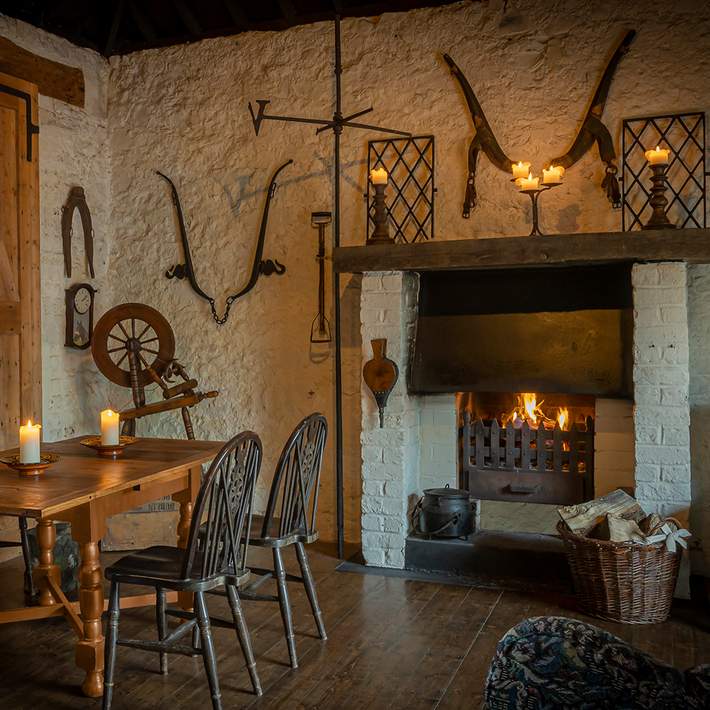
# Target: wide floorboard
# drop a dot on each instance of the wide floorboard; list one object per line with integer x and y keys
{"x": 393, "y": 643}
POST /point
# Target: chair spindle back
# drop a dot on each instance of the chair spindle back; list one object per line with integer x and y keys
{"x": 222, "y": 516}
{"x": 293, "y": 499}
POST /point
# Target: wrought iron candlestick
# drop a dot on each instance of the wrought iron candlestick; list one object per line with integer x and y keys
{"x": 381, "y": 234}
{"x": 534, "y": 197}
{"x": 659, "y": 201}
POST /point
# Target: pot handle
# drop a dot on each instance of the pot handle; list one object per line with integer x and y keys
{"x": 415, "y": 517}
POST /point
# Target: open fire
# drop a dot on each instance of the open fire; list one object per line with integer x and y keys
{"x": 528, "y": 409}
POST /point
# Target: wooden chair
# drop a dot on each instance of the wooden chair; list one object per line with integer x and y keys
{"x": 215, "y": 557}
{"x": 290, "y": 519}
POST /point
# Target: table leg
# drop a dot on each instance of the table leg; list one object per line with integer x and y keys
{"x": 46, "y": 538}
{"x": 185, "y": 599}
{"x": 90, "y": 649}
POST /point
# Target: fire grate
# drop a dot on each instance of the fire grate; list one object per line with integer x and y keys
{"x": 409, "y": 162}
{"x": 537, "y": 465}
{"x": 684, "y": 135}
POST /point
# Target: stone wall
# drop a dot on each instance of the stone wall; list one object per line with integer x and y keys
{"x": 438, "y": 441}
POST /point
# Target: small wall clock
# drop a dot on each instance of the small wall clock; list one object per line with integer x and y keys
{"x": 79, "y": 315}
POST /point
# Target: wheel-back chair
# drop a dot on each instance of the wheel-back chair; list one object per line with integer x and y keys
{"x": 290, "y": 519}
{"x": 215, "y": 557}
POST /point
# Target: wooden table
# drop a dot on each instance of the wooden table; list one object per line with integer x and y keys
{"x": 84, "y": 490}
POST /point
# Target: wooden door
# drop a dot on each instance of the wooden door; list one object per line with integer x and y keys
{"x": 20, "y": 337}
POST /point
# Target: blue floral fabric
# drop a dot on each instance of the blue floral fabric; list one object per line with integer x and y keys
{"x": 550, "y": 663}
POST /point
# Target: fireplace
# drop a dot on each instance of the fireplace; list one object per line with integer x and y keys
{"x": 607, "y": 343}
{"x": 526, "y": 447}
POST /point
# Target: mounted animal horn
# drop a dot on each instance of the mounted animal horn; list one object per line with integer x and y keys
{"x": 592, "y": 130}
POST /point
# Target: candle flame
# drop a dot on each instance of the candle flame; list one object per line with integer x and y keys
{"x": 30, "y": 425}
{"x": 658, "y": 148}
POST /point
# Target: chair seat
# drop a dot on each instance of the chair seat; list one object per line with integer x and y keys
{"x": 162, "y": 565}
{"x": 272, "y": 538}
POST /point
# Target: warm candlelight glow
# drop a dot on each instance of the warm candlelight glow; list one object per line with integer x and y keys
{"x": 109, "y": 428}
{"x": 521, "y": 169}
{"x": 659, "y": 156}
{"x": 29, "y": 442}
{"x": 528, "y": 183}
{"x": 552, "y": 175}
{"x": 378, "y": 176}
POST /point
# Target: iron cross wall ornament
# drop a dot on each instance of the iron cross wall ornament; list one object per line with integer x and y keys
{"x": 591, "y": 131}
{"x": 337, "y": 123}
{"x": 259, "y": 267}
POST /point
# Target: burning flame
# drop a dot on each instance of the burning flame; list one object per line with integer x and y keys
{"x": 528, "y": 409}
{"x": 563, "y": 418}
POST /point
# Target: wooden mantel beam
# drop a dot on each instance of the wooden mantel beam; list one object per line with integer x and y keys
{"x": 52, "y": 78}
{"x": 689, "y": 245}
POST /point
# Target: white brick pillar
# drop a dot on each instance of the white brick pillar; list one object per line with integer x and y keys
{"x": 661, "y": 376}
{"x": 390, "y": 454}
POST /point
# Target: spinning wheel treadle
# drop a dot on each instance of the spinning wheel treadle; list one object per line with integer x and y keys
{"x": 132, "y": 328}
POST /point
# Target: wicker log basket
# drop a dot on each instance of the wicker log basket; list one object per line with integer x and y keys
{"x": 622, "y": 581}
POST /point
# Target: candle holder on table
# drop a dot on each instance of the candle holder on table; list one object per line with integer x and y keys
{"x": 659, "y": 201}
{"x": 29, "y": 469}
{"x": 109, "y": 451}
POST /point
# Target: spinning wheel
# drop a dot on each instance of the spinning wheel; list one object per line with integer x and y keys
{"x": 132, "y": 333}
{"x": 134, "y": 346}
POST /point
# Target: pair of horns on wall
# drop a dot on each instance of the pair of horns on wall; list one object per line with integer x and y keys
{"x": 591, "y": 131}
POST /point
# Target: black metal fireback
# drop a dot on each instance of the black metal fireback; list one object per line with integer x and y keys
{"x": 566, "y": 330}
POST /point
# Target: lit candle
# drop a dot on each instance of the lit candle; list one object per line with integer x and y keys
{"x": 528, "y": 183}
{"x": 658, "y": 156}
{"x": 29, "y": 442}
{"x": 109, "y": 428}
{"x": 521, "y": 169}
{"x": 378, "y": 176}
{"x": 553, "y": 175}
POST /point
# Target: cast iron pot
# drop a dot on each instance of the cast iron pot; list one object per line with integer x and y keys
{"x": 444, "y": 512}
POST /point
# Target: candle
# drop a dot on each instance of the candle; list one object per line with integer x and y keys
{"x": 553, "y": 175}
{"x": 528, "y": 183}
{"x": 29, "y": 442}
{"x": 659, "y": 156}
{"x": 521, "y": 169}
{"x": 109, "y": 428}
{"x": 378, "y": 176}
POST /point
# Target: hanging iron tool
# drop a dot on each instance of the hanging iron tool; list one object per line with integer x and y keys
{"x": 320, "y": 328}
{"x": 77, "y": 201}
{"x": 259, "y": 266}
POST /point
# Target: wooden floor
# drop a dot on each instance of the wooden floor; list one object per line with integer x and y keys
{"x": 393, "y": 643}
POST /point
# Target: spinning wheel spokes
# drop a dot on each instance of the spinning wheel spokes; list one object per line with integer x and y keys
{"x": 122, "y": 334}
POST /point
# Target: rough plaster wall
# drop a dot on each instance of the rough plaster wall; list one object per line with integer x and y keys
{"x": 73, "y": 150}
{"x": 183, "y": 110}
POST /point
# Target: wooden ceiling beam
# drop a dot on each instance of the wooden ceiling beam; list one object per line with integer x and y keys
{"x": 52, "y": 78}
{"x": 239, "y": 17}
{"x": 115, "y": 26}
{"x": 145, "y": 26}
{"x": 188, "y": 18}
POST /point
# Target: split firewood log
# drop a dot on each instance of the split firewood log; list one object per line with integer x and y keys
{"x": 584, "y": 517}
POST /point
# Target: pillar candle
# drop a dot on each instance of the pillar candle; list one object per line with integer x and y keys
{"x": 29, "y": 442}
{"x": 378, "y": 176}
{"x": 109, "y": 428}
{"x": 528, "y": 183}
{"x": 659, "y": 156}
{"x": 521, "y": 169}
{"x": 553, "y": 175}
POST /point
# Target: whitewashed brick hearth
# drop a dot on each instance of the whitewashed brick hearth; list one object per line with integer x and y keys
{"x": 661, "y": 377}
{"x": 417, "y": 447}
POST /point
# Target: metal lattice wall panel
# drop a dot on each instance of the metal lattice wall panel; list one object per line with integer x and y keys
{"x": 409, "y": 162}
{"x": 684, "y": 135}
